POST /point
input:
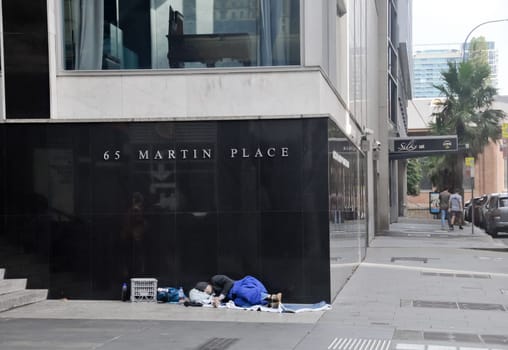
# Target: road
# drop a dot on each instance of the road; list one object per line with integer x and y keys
{"x": 503, "y": 238}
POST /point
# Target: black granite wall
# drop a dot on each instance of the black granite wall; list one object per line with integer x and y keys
{"x": 86, "y": 206}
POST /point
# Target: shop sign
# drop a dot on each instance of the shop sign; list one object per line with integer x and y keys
{"x": 336, "y": 156}
{"x": 419, "y": 146}
{"x": 434, "y": 202}
{"x": 505, "y": 130}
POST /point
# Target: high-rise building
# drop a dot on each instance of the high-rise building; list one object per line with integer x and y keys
{"x": 430, "y": 60}
{"x": 178, "y": 139}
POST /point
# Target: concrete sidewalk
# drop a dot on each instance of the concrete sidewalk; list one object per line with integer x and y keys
{"x": 419, "y": 288}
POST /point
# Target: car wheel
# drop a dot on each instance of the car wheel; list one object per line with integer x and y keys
{"x": 490, "y": 230}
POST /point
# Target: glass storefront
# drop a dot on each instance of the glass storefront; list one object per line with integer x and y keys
{"x": 347, "y": 214}
{"x": 161, "y": 34}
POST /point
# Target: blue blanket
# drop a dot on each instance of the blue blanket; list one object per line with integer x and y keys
{"x": 247, "y": 292}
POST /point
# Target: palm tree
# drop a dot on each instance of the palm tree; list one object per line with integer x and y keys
{"x": 465, "y": 110}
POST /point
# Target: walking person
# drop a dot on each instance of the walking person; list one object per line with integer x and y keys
{"x": 455, "y": 207}
{"x": 444, "y": 199}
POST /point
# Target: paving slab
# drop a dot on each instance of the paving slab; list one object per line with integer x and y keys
{"x": 419, "y": 288}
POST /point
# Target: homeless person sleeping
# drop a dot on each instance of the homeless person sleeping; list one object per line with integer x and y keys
{"x": 245, "y": 292}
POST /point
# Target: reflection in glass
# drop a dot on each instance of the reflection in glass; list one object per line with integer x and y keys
{"x": 347, "y": 217}
{"x": 156, "y": 34}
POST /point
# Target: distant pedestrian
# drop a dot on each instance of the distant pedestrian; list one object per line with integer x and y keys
{"x": 455, "y": 208}
{"x": 444, "y": 199}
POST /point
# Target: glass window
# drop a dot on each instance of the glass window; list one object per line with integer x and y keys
{"x": 503, "y": 202}
{"x": 158, "y": 34}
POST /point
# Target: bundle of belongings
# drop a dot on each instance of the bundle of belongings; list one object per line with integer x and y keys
{"x": 198, "y": 298}
{"x": 245, "y": 296}
{"x": 170, "y": 295}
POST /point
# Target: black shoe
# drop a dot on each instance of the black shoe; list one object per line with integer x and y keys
{"x": 461, "y": 227}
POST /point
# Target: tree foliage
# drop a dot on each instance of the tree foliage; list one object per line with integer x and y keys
{"x": 479, "y": 50}
{"x": 414, "y": 176}
{"x": 465, "y": 110}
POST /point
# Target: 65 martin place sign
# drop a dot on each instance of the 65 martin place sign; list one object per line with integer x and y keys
{"x": 421, "y": 146}
{"x": 201, "y": 153}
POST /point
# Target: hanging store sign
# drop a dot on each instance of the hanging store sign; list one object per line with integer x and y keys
{"x": 420, "y": 146}
{"x": 505, "y": 130}
{"x": 340, "y": 159}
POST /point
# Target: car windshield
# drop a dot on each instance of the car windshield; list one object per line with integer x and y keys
{"x": 503, "y": 202}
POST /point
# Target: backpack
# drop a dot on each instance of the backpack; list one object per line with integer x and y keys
{"x": 455, "y": 203}
{"x": 167, "y": 295}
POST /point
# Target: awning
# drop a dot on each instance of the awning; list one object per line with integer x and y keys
{"x": 421, "y": 146}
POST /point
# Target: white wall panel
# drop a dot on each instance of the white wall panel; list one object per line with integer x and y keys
{"x": 198, "y": 95}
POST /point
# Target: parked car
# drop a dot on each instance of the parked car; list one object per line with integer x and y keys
{"x": 479, "y": 202}
{"x": 468, "y": 209}
{"x": 466, "y": 214}
{"x": 496, "y": 215}
{"x": 483, "y": 205}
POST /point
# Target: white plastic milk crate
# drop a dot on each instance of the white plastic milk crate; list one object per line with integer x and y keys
{"x": 143, "y": 289}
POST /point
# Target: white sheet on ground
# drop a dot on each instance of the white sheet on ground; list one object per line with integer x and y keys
{"x": 288, "y": 308}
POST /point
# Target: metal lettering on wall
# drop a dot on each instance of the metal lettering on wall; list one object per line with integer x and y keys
{"x": 200, "y": 153}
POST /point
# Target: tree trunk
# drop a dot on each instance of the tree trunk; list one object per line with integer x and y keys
{"x": 459, "y": 174}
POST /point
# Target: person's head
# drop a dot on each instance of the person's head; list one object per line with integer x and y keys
{"x": 204, "y": 287}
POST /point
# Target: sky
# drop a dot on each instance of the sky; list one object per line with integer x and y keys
{"x": 450, "y": 21}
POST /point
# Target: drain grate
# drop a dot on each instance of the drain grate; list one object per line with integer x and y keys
{"x": 419, "y": 336}
{"x": 435, "y": 304}
{"x": 452, "y": 305}
{"x": 393, "y": 234}
{"x": 456, "y": 275}
{"x": 481, "y": 306}
{"x": 359, "y": 344}
{"x": 409, "y": 258}
{"x": 406, "y": 334}
{"x": 495, "y": 339}
{"x": 455, "y": 337}
{"x": 482, "y": 276}
{"x": 217, "y": 344}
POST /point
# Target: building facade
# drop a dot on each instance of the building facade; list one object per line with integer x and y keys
{"x": 491, "y": 166}
{"x": 430, "y": 60}
{"x": 178, "y": 139}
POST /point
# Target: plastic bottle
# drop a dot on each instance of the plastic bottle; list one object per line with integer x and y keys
{"x": 124, "y": 291}
{"x": 181, "y": 294}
